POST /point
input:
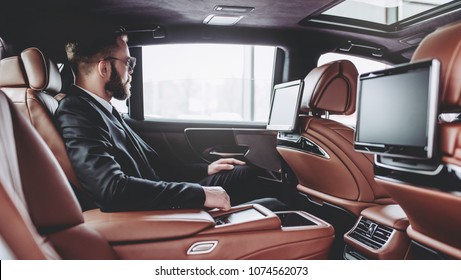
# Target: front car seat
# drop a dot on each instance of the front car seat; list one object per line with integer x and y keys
{"x": 339, "y": 175}
{"x": 433, "y": 214}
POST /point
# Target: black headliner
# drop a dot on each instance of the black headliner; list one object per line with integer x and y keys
{"x": 47, "y": 23}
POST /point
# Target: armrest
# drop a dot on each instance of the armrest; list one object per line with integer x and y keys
{"x": 148, "y": 225}
{"x": 388, "y": 215}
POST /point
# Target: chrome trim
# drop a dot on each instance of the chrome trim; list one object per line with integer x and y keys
{"x": 365, "y": 245}
{"x": 324, "y": 153}
{"x": 214, "y": 153}
{"x": 422, "y": 172}
{"x": 433, "y": 100}
{"x": 202, "y": 247}
{"x": 455, "y": 169}
{"x": 298, "y": 140}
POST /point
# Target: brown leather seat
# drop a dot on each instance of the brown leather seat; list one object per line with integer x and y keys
{"x": 31, "y": 81}
{"x": 434, "y": 215}
{"x": 40, "y": 216}
{"x": 342, "y": 177}
{"x": 41, "y": 219}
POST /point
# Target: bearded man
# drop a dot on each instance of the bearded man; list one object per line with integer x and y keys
{"x": 114, "y": 165}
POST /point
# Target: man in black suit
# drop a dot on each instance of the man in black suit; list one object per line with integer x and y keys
{"x": 118, "y": 169}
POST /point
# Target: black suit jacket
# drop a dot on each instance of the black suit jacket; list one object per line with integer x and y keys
{"x": 114, "y": 164}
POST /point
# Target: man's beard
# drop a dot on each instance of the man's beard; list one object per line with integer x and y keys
{"x": 119, "y": 90}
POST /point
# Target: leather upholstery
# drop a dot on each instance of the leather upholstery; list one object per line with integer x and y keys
{"x": 140, "y": 226}
{"x": 345, "y": 176}
{"x": 433, "y": 215}
{"x": 42, "y": 73}
{"x": 331, "y": 87}
{"x": 388, "y": 215}
{"x": 449, "y": 54}
{"x": 445, "y": 45}
{"x": 256, "y": 239}
{"x": 39, "y": 197}
{"x": 35, "y": 101}
{"x": 274, "y": 244}
{"x": 41, "y": 218}
{"x": 11, "y": 74}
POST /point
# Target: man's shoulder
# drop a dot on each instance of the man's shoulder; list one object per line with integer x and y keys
{"x": 76, "y": 108}
{"x": 75, "y": 99}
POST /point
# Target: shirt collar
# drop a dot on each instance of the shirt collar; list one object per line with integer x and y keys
{"x": 103, "y": 102}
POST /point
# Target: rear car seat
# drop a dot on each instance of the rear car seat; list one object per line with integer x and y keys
{"x": 40, "y": 216}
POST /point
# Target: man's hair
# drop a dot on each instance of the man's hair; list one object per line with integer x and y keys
{"x": 93, "y": 46}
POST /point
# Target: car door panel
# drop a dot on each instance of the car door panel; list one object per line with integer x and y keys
{"x": 200, "y": 142}
{"x": 256, "y": 146}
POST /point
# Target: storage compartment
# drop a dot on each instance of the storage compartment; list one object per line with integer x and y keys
{"x": 239, "y": 217}
{"x": 294, "y": 219}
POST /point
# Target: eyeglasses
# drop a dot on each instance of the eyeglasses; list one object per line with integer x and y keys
{"x": 130, "y": 62}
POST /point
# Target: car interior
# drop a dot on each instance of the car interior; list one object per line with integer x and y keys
{"x": 387, "y": 187}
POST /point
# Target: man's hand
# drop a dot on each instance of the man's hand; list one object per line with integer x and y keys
{"x": 223, "y": 164}
{"x": 216, "y": 197}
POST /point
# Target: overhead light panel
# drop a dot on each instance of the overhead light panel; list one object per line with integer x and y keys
{"x": 234, "y": 9}
{"x": 222, "y": 20}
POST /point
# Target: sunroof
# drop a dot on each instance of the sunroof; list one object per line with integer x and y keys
{"x": 385, "y": 12}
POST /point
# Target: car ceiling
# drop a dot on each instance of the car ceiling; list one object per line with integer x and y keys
{"x": 267, "y": 13}
{"x": 47, "y": 23}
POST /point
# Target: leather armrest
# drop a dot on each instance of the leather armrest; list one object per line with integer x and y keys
{"x": 148, "y": 225}
{"x": 388, "y": 215}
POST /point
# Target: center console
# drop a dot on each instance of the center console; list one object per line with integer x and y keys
{"x": 244, "y": 232}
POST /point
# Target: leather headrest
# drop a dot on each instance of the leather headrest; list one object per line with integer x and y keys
{"x": 331, "y": 87}
{"x": 445, "y": 45}
{"x": 41, "y": 72}
{"x": 11, "y": 74}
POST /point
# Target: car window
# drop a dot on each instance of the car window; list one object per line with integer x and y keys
{"x": 363, "y": 65}
{"x": 211, "y": 82}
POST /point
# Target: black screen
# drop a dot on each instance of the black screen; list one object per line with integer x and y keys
{"x": 395, "y": 114}
{"x": 394, "y": 109}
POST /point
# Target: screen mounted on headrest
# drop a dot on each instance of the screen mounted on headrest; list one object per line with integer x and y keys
{"x": 397, "y": 110}
{"x": 285, "y": 106}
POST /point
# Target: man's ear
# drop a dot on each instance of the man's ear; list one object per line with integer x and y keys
{"x": 103, "y": 68}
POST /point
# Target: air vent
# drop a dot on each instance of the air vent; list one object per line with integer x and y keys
{"x": 370, "y": 233}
